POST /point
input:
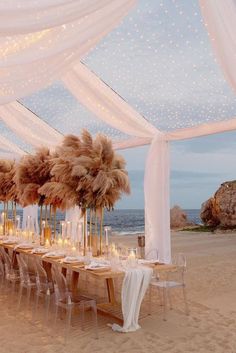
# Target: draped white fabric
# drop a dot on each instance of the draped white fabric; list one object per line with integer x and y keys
{"x": 28, "y": 126}
{"x": 32, "y": 212}
{"x": 134, "y": 287}
{"x": 17, "y": 17}
{"x": 73, "y": 215}
{"x": 220, "y": 18}
{"x": 92, "y": 92}
{"x": 10, "y": 149}
{"x": 157, "y": 199}
{"x": 29, "y": 62}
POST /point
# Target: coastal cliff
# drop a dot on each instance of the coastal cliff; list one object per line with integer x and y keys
{"x": 220, "y": 210}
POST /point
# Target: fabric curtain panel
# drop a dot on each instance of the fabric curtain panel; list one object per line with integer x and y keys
{"x": 10, "y": 149}
{"x": 31, "y": 61}
{"x": 220, "y": 19}
{"x": 23, "y": 16}
{"x": 28, "y": 126}
{"x": 99, "y": 98}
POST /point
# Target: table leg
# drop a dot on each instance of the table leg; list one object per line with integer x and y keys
{"x": 48, "y": 269}
{"x": 111, "y": 290}
{"x": 74, "y": 282}
{"x": 64, "y": 271}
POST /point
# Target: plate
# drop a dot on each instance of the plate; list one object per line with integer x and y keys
{"x": 99, "y": 269}
{"x": 40, "y": 251}
{"x": 54, "y": 256}
{"x": 25, "y": 246}
{"x": 72, "y": 260}
{"x": 9, "y": 242}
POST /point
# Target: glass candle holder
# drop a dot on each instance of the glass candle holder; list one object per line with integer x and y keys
{"x": 132, "y": 257}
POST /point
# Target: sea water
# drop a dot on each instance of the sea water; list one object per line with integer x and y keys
{"x": 126, "y": 221}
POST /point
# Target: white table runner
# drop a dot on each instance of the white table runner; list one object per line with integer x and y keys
{"x": 135, "y": 284}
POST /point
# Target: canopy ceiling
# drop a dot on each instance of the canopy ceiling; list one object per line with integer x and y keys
{"x": 159, "y": 59}
{"x": 153, "y": 79}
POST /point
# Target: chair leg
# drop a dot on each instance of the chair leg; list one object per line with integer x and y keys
{"x": 82, "y": 315}
{"x": 19, "y": 297}
{"x": 28, "y": 297}
{"x": 185, "y": 301}
{"x": 169, "y": 298}
{"x": 35, "y": 308}
{"x": 164, "y": 303}
{"x": 68, "y": 322}
{"x": 94, "y": 309}
{"x": 160, "y": 296}
{"x": 55, "y": 315}
{"x": 150, "y": 301}
{"x": 47, "y": 300}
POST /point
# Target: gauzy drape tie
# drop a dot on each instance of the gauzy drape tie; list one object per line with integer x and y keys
{"x": 157, "y": 199}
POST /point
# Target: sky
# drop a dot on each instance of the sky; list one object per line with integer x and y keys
{"x": 161, "y": 62}
{"x": 198, "y": 167}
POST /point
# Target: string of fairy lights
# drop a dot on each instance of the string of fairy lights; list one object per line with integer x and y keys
{"x": 161, "y": 62}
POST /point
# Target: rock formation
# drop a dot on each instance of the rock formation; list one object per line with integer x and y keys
{"x": 220, "y": 210}
{"x": 178, "y": 218}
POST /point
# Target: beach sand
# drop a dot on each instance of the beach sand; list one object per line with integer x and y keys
{"x": 210, "y": 327}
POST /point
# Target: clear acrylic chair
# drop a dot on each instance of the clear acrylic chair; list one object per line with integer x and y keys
{"x": 2, "y": 274}
{"x": 174, "y": 279}
{"x": 11, "y": 275}
{"x": 27, "y": 280}
{"x": 44, "y": 288}
{"x": 65, "y": 300}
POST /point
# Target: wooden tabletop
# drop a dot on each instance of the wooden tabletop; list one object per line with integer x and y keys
{"x": 103, "y": 274}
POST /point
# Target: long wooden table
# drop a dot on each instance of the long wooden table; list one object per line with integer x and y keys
{"x": 112, "y": 307}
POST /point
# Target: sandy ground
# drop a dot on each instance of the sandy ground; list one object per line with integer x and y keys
{"x": 210, "y": 327}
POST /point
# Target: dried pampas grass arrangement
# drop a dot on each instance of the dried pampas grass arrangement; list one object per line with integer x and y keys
{"x": 100, "y": 173}
{"x": 8, "y": 191}
{"x": 32, "y": 172}
{"x": 88, "y": 172}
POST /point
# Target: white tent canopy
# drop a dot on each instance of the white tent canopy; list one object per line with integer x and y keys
{"x": 48, "y": 47}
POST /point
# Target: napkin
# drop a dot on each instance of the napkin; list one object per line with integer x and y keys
{"x": 39, "y": 251}
{"x": 54, "y": 254}
{"x": 95, "y": 265}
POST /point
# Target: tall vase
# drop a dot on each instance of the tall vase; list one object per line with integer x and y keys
{"x": 41, "y": 226}
{"x": 90, "y": 228}
{"x": 85, "y": 232}
{"x": 4, "y": 218}
{"x": 55, "y": 223}
{"x": 101, "y": 231}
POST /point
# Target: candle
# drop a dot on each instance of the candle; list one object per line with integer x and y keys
{"x": 47, "y": 244}
{"x": 80, "y": 232}
{"x": 63, "y": 229}
{"x": 73, "y": 249}
{"x": 10, "y": 232}
{"x": 60, "y": 243}
{"x": 1, "y": 229}
{"x": 106, "y": 236}
{"x": 68, "y": 229}
{"x": 17, "y": 222}
{"x": 132, "y": 258}
{"x": 2, "y": 217}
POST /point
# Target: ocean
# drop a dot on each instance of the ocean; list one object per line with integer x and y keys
{"x": 128, "y": 221}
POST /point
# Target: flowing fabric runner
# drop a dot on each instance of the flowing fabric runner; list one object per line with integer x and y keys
{"x": 134, "y": 287}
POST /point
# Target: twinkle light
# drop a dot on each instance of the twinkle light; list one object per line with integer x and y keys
{"x": 160, "y": 61}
